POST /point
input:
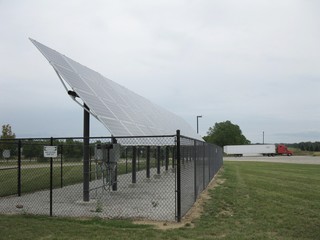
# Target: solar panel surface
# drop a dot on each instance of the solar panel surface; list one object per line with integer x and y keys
{"x": 121, "y": 111}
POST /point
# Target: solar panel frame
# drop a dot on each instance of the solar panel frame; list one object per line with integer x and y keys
{"x": 121, "y": 111}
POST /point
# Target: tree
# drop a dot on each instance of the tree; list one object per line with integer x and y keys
{"x": 73, "y": 150}
{"x": 226, "y": 133}
{"x": 7, "y": 132}
{"x": 33, "y": 149}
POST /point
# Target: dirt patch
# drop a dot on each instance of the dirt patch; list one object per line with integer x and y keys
{"x": 194, "y": 213}
{"x": 225, "y": 213}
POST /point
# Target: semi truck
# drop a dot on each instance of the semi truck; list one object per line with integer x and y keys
{"x": 257, "y": 149}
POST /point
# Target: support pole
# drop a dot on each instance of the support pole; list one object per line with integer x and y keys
{"x": 86, "y": 173}
{"x": 167, "y": 158}
{"x": 158, "y": 160}
{"x": 115, "y": 179}
{"x": 115, "y": 165}
{"x": 148, "y": 162}
{"x": 134, "y": 165}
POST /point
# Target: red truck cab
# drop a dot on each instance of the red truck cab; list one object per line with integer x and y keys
{"x": 283, "y": 150}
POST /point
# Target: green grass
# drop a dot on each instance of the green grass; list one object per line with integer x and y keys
{"x": 252, "y": 201}
{"x": 35, "y": 179}
{"x": 38, "y": 177}
{"x": 299, "y": 152}
{"x": 268, "y": 201}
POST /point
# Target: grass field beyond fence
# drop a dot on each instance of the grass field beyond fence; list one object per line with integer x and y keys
{"x": 252, "y": 201}
{"x": 36, "y": 177}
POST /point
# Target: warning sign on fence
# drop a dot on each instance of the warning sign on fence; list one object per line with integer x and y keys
{"x": 50, "y": 151}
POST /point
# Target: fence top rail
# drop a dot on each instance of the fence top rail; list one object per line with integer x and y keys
{"x": 81, "y": 138}
{"x": 197, "y": 140}
{"x": 189, "y": 138}
{"x": 101, "y": 137}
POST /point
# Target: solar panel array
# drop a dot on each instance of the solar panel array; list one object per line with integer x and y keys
{"x": 121, "y": 111}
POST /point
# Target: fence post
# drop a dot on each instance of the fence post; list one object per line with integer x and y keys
{"x": 126, "y": 159}
{"x": 204, "y": 166}
{"x": 173, "y": 156}
{"x": 209, "y": 161}
{"x": 178, "y": 178}
{"x": 51, "y": 178}
{"x": 61, "y": 166}
{"x": 19, "y": 168}
{"x": 195, "y": 169}
{"x": 183, "y": 154}
{"x": 216, "y": 161}
{"x": 138, "y": 154}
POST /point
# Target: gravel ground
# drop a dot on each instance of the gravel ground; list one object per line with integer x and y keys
{"x": 277, "y": 159}
{"x": 152, "y": 199}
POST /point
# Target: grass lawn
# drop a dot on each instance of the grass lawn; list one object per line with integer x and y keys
{"x": 36, "y": 176}
{"x": 253, "y": 201}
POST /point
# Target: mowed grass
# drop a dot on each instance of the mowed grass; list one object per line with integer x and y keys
{"x": 36, "y": 177}
{"x": 251, "y": 201}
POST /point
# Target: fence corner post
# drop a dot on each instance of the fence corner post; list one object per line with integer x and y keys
{"x": 178, "y": 179}
{"x": 51, "y": 179}
{"x": 195, "y": 161}
{"x": 19, "y": 168}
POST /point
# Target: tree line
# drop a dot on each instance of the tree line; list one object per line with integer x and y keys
{"x": 306, "y": 146}
{"x": 221, "y": 134}
{"x": 227, "y": 133}
{"x": 33, "y": 148}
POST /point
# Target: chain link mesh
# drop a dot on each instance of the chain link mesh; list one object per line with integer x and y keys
{"x": 125, "y": 180}
{"x": 200, "y": 162}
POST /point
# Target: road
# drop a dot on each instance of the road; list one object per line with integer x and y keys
{"x": 277, "y": 159}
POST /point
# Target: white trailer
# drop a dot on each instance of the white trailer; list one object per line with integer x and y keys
{"x": 250, "y": 150}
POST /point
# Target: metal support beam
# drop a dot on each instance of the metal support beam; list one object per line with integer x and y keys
{"x": 167, "y": 158}
{"x": 134, "y": 164}
{"x": 86, "y": 161}
{"x": 115, "y": 173}
{"x": 158, "y": 160}
{"x": 148, "y": 162}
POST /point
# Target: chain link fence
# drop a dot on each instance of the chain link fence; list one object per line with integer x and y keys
{"x": 200, "y": 162}
{"x": 156, "y": 178}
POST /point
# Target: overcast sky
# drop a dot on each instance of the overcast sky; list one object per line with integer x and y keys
{"x": 255, "y": 63}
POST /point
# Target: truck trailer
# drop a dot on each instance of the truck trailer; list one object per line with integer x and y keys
{"x": 257, "y": 149}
